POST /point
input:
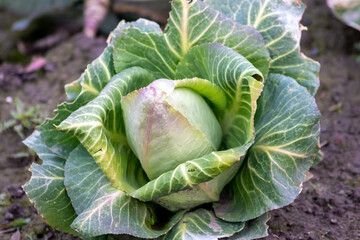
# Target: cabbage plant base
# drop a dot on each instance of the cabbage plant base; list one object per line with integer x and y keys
{"x": 91, "y": 183}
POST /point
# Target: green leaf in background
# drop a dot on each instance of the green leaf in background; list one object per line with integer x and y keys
{"x": 46, "y": 186}
{"x": 202, "y": 224}
{"x": 278, "y": 23}
{"x": 347, "y": 11}
{"x": 34, "y": 6}
{"x": 235, "y": 75}
{"x": 32, "y": 9}
{"x": 286, "y": 137}
{"x": 105, "y": 209}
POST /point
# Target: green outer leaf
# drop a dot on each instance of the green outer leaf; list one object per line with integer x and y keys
{"x": 189, "y": 25}
{"x": 253, "y": 229}
{"x": 318, "y": 157}
{"x": 107, "y": 210}
{"x": 196, "y": 23}
{"x": 235, "y": 76}
{"x": 287, "y": 133}
{"x": 278, "y": 23}
{"x": 46, "y": 186}
{"x": 146, "y": 50}
{"x": 96, "y": 76}
{"x": 76, "y": 177}
{"x": 141, "y": 24}
{"x": 202, "y": 224}
{"x": 74, "y": 89}
{"x": 99, "y": 127}
{"x": 240, "y": 118}
{"x": 113, "y": 237}
{"x": 191, "y": 173}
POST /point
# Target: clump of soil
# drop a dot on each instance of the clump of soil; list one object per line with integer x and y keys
{"x": 13, "y": 75}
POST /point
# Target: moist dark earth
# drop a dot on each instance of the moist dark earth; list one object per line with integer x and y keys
{"x": 327, "y": 208}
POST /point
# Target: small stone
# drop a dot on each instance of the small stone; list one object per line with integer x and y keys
{"x": 16, "y": 236}
{"x": 333, "y": 220}
{"x": 9, "y": 216}
{"x": 9, "y": 99}
{"x": 39, "y": 228}
{"x": 43, "y": 100}
{"x": 16, "y": 192}
{"x": 309, "y": 210}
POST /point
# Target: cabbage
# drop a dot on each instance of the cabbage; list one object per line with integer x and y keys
{"x": 194, "y": 132}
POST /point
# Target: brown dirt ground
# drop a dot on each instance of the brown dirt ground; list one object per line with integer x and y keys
{"x": 45, "y": 88}
{"x": 328, "y": 207}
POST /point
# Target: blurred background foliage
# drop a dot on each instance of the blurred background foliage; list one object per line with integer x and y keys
{"x": 36, "y": 25}
{"x": 347, "y": 11}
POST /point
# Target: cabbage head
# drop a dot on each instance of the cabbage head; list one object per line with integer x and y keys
{"x": 194, "y": 132}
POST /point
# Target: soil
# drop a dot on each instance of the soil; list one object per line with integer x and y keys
{"x": 45, "y": 88}
{"x": 327, "y": 208}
